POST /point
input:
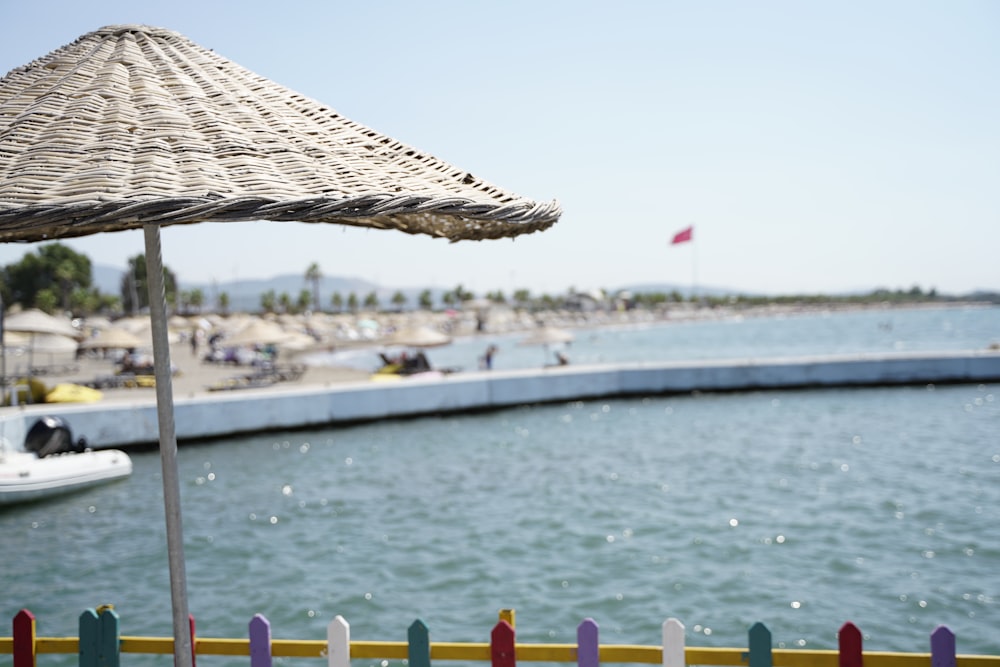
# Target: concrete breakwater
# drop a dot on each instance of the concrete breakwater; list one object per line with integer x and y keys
{"x": 133, "y": 422}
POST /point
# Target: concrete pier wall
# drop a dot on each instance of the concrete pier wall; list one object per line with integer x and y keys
{"x": 120, "y": 423}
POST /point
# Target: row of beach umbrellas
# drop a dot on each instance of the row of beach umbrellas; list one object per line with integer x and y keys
{"x": 37, "y": 330}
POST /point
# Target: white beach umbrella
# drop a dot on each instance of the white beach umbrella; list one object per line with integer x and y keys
{"x": 114, "y": 338}
{"x": 35, "y": 324}
{"x": 547, "y": 337}
{"x": 133, "y": 127}
{"x": 257, "y": 332}
{"x": 34, "y": 321}
{"x": 417, "y": 337}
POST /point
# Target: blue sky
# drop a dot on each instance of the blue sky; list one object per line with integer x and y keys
{"x": 815, "y": 147}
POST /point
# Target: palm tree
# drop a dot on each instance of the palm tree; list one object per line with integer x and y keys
{"x": 426, "y": 301}
{"x": 399, "y": 300}
{"x": 313, "y": 275}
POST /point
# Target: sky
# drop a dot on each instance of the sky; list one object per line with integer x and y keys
{"x": 814, "y": 147}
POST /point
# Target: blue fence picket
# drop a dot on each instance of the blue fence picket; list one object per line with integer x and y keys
{"x": 260, "y": 641}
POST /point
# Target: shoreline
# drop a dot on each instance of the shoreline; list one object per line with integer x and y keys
{"x": 343, "y": 332}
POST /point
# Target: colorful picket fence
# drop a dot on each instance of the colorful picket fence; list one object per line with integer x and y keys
{"x": 100, "y": 644}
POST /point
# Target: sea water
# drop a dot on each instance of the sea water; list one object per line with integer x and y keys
{"x": 800, "y": 509}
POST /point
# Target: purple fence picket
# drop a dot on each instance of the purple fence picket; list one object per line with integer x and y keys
{"x": 502, "y": 645}
{"x": 587, "y": 645}
{"x": 942, "y": 647}
{"x": 260, "y": 641}
{"x": 849, "y": 640}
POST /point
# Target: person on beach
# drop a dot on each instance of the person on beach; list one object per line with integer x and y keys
{"x": 486, "y": 361}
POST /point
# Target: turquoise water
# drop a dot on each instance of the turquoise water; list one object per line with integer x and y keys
{"x": 799, "y": 509}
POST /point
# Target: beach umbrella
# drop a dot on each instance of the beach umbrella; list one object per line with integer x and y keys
{"x": 417, "y": 337}
{"x": 547, "y": 337}
{"x": 35, "y": 323}
{"x": 257, "y": 332}
{"x": 113, "y": 338}
{"x": 133, "y": 127}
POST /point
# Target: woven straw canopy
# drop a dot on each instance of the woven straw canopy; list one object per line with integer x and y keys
{"x": 132, "y": 125}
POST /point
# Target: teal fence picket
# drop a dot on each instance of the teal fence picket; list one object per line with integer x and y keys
{"x": 418, "y": 650}
{"x": 760, "y": 646}
{"x": 100, "y": 640}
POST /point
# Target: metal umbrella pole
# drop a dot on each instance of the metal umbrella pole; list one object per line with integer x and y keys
{"x": 168, "y": 447}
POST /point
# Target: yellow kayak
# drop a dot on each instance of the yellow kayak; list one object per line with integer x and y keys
{"x": 72, "y": 393}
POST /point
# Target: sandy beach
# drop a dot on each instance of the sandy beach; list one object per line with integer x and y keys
{"x": 195, "y": 376}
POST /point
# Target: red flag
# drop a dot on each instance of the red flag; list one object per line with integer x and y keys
{"x": 683, "y": 235}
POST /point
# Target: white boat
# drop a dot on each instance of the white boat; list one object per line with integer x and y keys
{"x": 24, "y": 476}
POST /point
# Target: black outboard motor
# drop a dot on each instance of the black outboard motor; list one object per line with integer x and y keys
{"x": 51, "y": 435}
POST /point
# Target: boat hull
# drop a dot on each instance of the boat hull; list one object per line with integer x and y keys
{"x": 24, "y": 477}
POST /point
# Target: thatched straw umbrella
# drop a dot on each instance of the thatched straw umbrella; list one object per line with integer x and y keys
{"x": 135, "y": 127}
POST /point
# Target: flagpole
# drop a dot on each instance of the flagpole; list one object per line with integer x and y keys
{"x": 694, "y": 271}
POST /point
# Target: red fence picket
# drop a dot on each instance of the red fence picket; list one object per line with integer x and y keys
{"x": 24, "y": 639}
{"x": 849, "y": 640}
{"x": 502, "y": 645}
